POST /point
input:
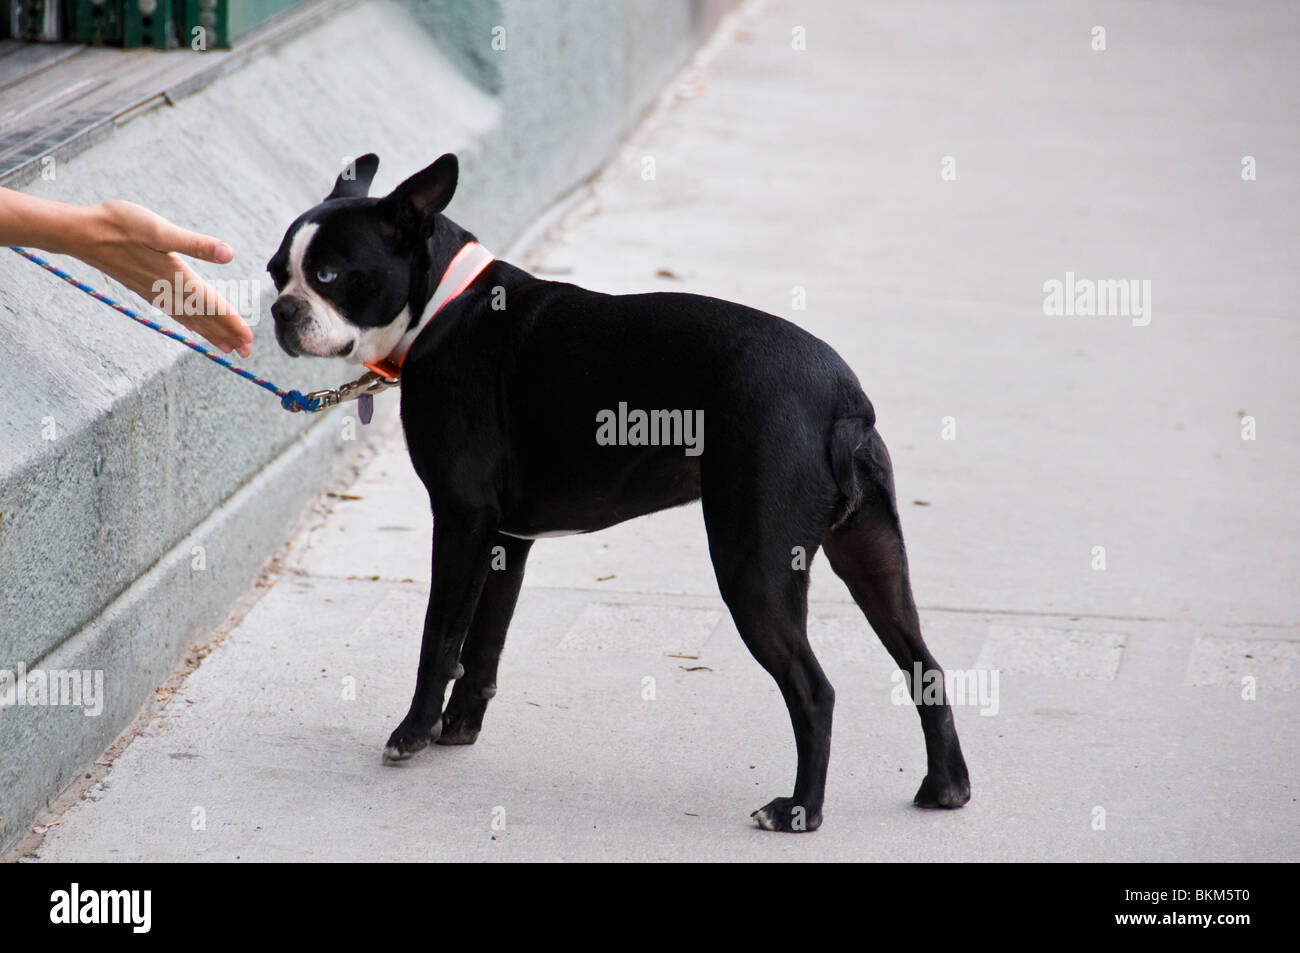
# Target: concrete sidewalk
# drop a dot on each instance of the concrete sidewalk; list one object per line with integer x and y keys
{"x": 783, "y": 176}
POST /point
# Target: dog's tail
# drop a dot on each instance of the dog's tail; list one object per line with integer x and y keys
{"x": 860, "y": 464}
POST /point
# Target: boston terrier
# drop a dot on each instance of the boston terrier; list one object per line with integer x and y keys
{"x": 537, "y": 408}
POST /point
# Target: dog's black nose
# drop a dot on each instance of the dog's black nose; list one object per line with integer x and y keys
{"x": 286, "y": 309}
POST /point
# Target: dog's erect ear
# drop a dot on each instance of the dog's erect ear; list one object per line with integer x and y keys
{"x": 354, "y": 181}
{"x": 425, "y": 194}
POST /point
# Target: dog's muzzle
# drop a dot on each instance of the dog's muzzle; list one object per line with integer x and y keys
{"x": 289, "y": 312}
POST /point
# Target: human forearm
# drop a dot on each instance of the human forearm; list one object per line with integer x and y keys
{"x": 45, "y": 224}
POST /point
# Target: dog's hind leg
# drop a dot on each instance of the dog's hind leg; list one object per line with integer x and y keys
{"x": 481, "y": 652}
{"x": 764, "y": 583}
{"x": 867, "y": 552}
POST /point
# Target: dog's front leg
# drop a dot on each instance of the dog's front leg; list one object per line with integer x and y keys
{"x": 481, "y": 651}
{"x": 461, "y": 553}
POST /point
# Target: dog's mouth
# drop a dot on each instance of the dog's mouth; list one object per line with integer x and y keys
{"x": 292, "y": 344}
{"x": 286, "y": 341}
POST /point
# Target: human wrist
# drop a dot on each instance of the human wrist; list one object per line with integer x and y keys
{"x": 57, "y": 227}
{"x": 76, "y": 230}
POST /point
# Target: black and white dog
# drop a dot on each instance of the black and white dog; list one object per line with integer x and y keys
{"x": 509, "y": 385}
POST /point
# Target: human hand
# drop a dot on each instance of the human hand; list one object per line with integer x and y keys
{"x": 142, "y": 250}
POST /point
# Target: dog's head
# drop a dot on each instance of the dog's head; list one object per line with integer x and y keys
{"x": 344, "y": 269}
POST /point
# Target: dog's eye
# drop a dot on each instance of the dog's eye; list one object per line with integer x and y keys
{"x": 325, "y": 276}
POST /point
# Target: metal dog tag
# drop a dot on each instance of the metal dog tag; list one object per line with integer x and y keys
{"x": 365, "y": 407}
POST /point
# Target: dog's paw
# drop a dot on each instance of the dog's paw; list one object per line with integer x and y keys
{"x": 463, "y": 719}
{"x": 783, "y": 814}
{"x": 408, "y": 739}
{"x": 457, "y": 731}
{"x": 946, "y": 792}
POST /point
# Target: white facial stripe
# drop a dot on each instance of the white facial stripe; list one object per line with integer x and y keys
{"x": 328, "y": 332}
{"x": 325, "y": 333}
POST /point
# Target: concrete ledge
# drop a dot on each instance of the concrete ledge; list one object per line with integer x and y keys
{"x": 120, "y": 451}
{"x": 135, "y": 640}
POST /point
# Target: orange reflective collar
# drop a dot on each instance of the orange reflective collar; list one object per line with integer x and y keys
{"x": 460, "y": 274}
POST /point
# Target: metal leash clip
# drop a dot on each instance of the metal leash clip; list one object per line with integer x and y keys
{"x": 362, "y": 390}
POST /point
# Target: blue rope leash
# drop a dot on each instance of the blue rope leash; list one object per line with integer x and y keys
{"x": 290, "y": 400}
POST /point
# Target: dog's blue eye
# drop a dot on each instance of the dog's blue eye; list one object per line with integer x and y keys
{"x": 325, "y": 276}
